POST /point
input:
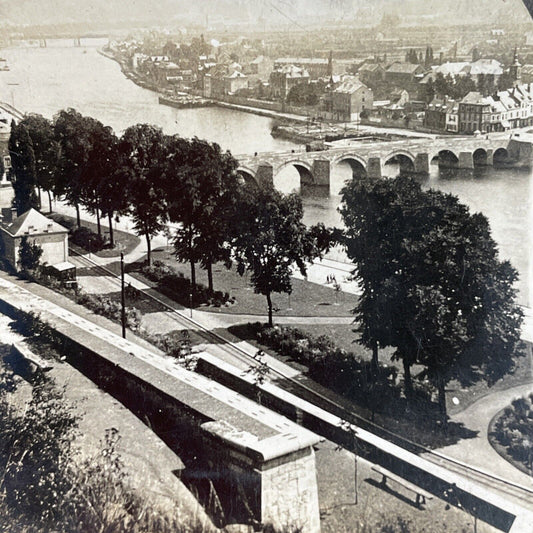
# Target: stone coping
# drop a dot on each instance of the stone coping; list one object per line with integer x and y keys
{"x": 236, "y": 420}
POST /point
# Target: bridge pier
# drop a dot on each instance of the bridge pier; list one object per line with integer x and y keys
{"x": 520, "y": 153}
{"x": 265, "y": 176}
{"x": 466, "y": 160}
{"x": 422, "y": 164}
{"x": 490, "y": 157}
{"x": 374, "y": 168}
{"x": 321, "y": 172}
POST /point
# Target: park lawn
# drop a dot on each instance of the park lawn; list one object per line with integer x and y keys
{"x": 307, "y": 299}
{"x": 124, "y": 242}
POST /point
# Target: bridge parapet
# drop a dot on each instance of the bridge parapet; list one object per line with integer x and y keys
{"x": 462, "y": 153}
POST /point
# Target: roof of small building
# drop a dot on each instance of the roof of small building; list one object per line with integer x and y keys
{"x": 403, "y": 68}
{"x": 236, "y": 74}
{"x": 370, "y": 67}
{"x": 350, "y": 85}
{"x": 33, "y": 223}
{"x": 475, "y": 97}
{"x": 302, "y": 60}
{"x": 292, "y": 71}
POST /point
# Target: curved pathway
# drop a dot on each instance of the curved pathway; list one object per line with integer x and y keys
{"x": 478, "y": 451}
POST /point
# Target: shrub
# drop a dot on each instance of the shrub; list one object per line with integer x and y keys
{"x": 105, "y": 306}
{"x": 514, "y": 431}
{"x": 87, "y": 239}
{"x": 176, "y": 286}
{"x": 334, "y": 367}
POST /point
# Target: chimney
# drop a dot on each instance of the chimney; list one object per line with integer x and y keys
{"x": 9, "y": 214}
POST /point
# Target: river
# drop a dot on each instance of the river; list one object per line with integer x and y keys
{"x": 45, "y": 80}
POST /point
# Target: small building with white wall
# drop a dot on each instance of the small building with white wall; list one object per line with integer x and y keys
{"x": 40, "y": 230}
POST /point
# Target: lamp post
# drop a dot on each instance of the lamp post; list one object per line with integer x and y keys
{"x": 122, "y": 297}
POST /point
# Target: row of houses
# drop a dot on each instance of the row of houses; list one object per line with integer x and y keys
{"x": 501, "y": 111}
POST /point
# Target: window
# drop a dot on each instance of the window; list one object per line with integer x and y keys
{"x": 7, "y": 162}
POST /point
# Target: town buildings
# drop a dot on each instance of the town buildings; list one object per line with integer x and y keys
{"x": 283, "y": 79}
{"x": 346, "y": 102}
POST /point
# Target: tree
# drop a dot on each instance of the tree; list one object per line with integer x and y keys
{"x": 201, "y": 185}
{"x": 442, "y": 299}
{"x": 23, "y": 169}
{"x": 29, "y": 255}
{"x": 97, "y": 189}
{"x": 111, "y": 188}
{"x": 72, "y": 132}
{"x": 141, "y": 152}
{"x": 269, "y": 239}
{"x": 46, "y": 151}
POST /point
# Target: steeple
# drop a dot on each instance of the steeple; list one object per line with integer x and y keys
{"x": 515, "y": 70}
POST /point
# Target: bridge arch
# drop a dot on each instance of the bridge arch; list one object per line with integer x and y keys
{"x": 286, "y": 181}
{"x": 403, "y": 159}
{"x": 357, "y": 163}
{"x": 480, "y": 157}
{"x": 247, "y": 175}
{"x": 445, "y": 158}
{"x": 501, "y": 156}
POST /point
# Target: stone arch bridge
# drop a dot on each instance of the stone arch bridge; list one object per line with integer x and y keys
{"x": 367, "y": 159}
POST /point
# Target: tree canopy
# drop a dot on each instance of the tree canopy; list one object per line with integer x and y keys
{"x": 433, "y": 285}
{"x": 201, "y": 186}
{"x": 269, "y": 240}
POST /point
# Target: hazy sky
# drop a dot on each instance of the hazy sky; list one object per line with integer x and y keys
{"x": 100, "y": 11}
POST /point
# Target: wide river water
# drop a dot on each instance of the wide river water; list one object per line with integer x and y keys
{"x": 45, "y": 80}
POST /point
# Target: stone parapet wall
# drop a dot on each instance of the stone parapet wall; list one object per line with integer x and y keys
{"x": 250, "y": 463}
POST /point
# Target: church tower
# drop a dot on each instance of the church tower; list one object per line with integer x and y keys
{"x": 515, "y": 70}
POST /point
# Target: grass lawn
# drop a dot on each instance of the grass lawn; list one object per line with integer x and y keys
{"x": 307, "y": 299}
{"x": 124, "y": 242}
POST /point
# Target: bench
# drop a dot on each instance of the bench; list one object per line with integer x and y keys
{"x": 421, "y": 494}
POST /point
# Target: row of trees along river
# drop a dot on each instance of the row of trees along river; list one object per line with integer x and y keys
{"x": 433, "y": 287}
{"x": 44, "y": 80}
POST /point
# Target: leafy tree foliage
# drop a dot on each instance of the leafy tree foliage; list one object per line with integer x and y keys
{"x": 269, "y": 239}
{"x": 23, "y": 168}
{"x": 73, "y": 133}
{"x": 433, "y": 286}
{"x": 46, "y": 151}
{"x": 201, "y": 186}
{"x": 29, "y": 255}
{"x": 306, "y": 94}
{"x": 141, "y": 153}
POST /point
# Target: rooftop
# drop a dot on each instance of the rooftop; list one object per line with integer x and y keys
{"x": 32, "y": 223}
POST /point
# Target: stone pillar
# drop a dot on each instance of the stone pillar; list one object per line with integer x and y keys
{"x": 422, "y": 164}
{"x": 321, "y": 172}
{"x": 490, "y": 157}
{"x": 289, "y": 492}
{"x": 466, "y": 160}
{"x": 374, "y": 168}
{"x": 265, "y": 176}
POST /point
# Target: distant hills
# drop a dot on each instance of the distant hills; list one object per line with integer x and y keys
{"x": 105, "y": 12}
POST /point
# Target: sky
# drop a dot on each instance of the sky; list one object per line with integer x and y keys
{"x": 34, "y": 12}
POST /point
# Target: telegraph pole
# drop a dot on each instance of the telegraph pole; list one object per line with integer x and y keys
{"x": 122, "y": 296}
